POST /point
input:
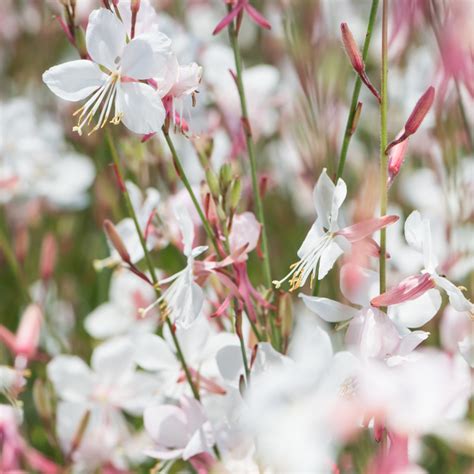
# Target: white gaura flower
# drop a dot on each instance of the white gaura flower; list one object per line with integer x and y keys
{"x": 372, "y": 333}
{"x": 327, "y": 239}
{"x": 183, "y": 299}
{"x": 409, "y": 290}
{"x": 111, "y": 78}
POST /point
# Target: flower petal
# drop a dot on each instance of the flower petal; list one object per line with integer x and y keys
{"x": 138, "y": 61}
{"x": 329, "y": 255}
{"x": 358, "y": 284}
{"x": 141, "y": 106}
{"x": 113, "y": 358}
{"x": 105, "y": 38}
{"x": 153, "y": 353}
{"x": 329, "y": 310}
{"x": 166, "y": 424}
{"x": 417, "y": 312}
{"x": 328, "y": 198}
{"x": 458, "y": 301}
{"x": 363, "y": 229}
{"x": 74, "y": 80}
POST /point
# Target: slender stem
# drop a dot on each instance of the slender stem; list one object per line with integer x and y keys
{"x": 251, "y": 153}
{"x": 383, "y": 144}
{"x": 356, "y": 91}
{"x": 187, "y": 185}
{"x": 12, "y": 261}
{"x": 150, "y": 265}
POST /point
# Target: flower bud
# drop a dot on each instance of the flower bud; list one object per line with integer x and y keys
{"x": 235, "y": 194}
{"x": 422, "y": 107}
{"x": 213, "y": 183}
{"x": 28, "y": 333}
{"x": 396, "y": 157}
{"x": 285, "y": 314}
{"x": 225, "y": 176}
{"x": 116, "y": 240}
{"x": 352, "y": 49}
{"x": 42, "y": 397}
{"x": 48, "y": 257}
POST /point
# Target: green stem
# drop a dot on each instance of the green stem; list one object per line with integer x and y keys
{"x": 149, "y": 263}
{"x": 383, "y": 144}
{"x": 251, "y": 153}
{"x": 187, "y": 185}
{"x": 356, "y": 91}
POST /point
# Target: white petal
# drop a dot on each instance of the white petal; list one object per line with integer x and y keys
{"x": 411, "y": 341}
{"x": 113, "y": 358}
{"x": 138, "y": 61}
{"x": 74, "y": 80}
{"x": 456, "y": 297}
{"x": 358, "y": 284}
{"x": 153, "y": 353}
{"x": 328, "y": 257}
{"x": 466, "y": 347}
{"x": 192, "y": 303}
{"x": 416, "y": 313}
{"x": 107, "y": 320}
{"x": 311, "y": 240}
{"x": 329, "y": 310}
{"x": 200, "y": 442}
{"x": 105, "y": 38}
{"x": 142, "y": 108}
{"x": 229, "y": 362}
{"x": 166, "y": 424}
{"x": 414, "y": 231}
{"x": 328, "y": 198}
{"x": 71, "y": 377}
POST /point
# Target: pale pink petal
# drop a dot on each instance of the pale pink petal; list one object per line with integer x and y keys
{"x": 408, "y": 289}
{"x": 358, "y": 284}
{"x": 411, "y": 341}
{"x": 166, "y": 424}
{"x": 28, "y": 334}
{"x": 396, "y": 157}
{"x": 366, "y": 228}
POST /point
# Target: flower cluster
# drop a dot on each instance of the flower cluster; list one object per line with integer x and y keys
{"x": 153, "y": 324}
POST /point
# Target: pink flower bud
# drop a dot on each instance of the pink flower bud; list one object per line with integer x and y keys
{"x": 28, "y": 333}
{"x": 351, "y": 49}
{"x": 48, "y": 257}
{"x": 116, "y": 240}
{"x": 396, "y": 157}
{"x": 422, "y": 107}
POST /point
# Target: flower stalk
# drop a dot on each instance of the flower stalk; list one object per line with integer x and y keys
{"x": 351, "y": 119}
{"x": 383, "y": 146}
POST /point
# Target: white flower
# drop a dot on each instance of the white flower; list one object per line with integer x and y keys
{"x": 111, "y": 78}
{"x": 112, "y": 385}
{"x": 178, "y": 431}
{"x": 372, "y": 333}
{"x": 327, "y": 239}
{"x": 428, "y": 282}
{"x": 120, "y": 315}
{"x": 184, "y": 297}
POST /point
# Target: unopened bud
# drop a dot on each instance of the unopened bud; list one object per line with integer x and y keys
{"x": 285, "y": 314}
{"x": 42, "y": 397}
{"x": 48, "y": 257}
{"x": 116, "y": 240}
{"x": 135, "y": 6}
{"x": 28, "y": 333}
{"x": 235, "y": 194}
{"x": 355, "y": 120}
{"x": 242, "y": 385}
{"x": 396, "y": 157}
{"x": 213, "y": 183}
{"x": 81, "y": 43}
{"x": 238, "y": 324}
{"x": 422, "y": 107}
{"x": 352, "y": 49}
{"x": 79, "y": 434}
{"x": 225, "y": 176}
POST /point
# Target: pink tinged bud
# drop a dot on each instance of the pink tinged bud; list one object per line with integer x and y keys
{"x": 352, "y": 49}
{"x": 28, "y": 333}
{"x": 48, "y": 257}
{"x": 228, "y": 18}
{"x": 408, "y": 289}
{"x": 116, "y": 241}
{"x": 134, "y": 7}
{"x": 366, "y": 228}
{"x": 422, "y": 107}
{"x": 396, "y": 157}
